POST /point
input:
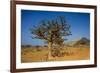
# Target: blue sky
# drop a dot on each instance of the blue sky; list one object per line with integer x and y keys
{"x": 80, "y": 24}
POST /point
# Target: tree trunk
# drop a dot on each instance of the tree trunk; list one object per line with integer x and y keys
{"x": 50, "y": 48}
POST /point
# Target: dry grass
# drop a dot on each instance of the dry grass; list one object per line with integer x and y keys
{"x": 32, "y": 54}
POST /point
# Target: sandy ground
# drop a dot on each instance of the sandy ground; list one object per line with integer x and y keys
{"x": 41, "y": 55}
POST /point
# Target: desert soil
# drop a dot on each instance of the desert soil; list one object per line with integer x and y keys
{"x": 41, "y": 55}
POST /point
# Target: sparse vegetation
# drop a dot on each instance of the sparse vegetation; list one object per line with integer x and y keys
{"x": 40, "y": 53}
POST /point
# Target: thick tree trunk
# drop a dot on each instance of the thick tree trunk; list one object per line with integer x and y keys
{"x": 50, "y": 48}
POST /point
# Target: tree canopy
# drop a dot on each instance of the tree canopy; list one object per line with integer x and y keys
{"x": 52, "y": 30}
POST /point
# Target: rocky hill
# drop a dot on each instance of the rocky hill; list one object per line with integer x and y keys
{"x": 81, "y": 42}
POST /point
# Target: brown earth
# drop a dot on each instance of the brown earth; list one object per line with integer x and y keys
{"x": 40, "y": 54}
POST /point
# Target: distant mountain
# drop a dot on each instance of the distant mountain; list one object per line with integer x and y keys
{"x": 82, "y": 41}
{"x": 70, "y": 43}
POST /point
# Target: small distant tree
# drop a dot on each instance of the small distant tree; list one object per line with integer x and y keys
{"x": 52, "y": 31}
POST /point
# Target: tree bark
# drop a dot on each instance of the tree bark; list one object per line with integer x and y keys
{"x": 50, "y": 48}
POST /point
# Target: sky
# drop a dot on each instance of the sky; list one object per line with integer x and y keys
{"x": 80, "y": 24}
